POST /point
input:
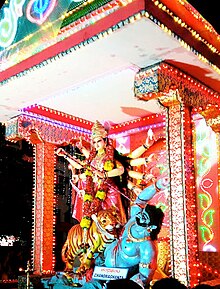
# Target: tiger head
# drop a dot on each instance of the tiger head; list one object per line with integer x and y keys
{"x": 107, "y": 222}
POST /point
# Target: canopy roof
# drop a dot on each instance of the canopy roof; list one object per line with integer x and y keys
{"x": 87, "y": 68}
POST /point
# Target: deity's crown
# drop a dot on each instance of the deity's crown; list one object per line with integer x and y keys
{"x": 98, "y": 130}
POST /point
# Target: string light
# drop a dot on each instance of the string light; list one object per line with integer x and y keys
{"x": 103, "y": 12}
{"x": 148, "y": 85}
{"x": 197, "y": 17}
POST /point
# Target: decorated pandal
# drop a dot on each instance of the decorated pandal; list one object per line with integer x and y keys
{"x": 141, "y": 198}
{"x": 145, "y": 202}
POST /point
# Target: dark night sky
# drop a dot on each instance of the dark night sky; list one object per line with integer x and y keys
{"x": 16, "y": 183}
{"x": 207, "y": 9}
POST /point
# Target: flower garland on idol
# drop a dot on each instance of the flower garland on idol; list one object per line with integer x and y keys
{"x": 96, "y": 188}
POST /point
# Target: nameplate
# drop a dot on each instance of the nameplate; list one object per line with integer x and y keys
{"x": 105, "y": 273}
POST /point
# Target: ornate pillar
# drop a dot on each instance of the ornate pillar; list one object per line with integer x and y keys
{"x": 45, "y": 129}
{"x": 44, "y": 219}
{"x": 183, "y": 229}
{"x": 178, "y": 93}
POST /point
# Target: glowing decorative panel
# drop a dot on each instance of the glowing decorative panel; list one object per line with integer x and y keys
{"x": 207, "y": 187}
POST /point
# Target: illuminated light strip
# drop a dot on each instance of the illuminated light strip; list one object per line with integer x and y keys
{"x": 48, "y": 207}
{"x": 206, "y": 213}
{"x": 49, "y": 5}
{"x": 136, "y": 130}
{"x": 63, "y": 53}
{"x": 106, "y": 7}
{"x": 203, "y": 171}
{"x": 194, "y": 33}
{"x": 59, "y": 118}
{"x": 9, "y": 24}
{"x": 23, "y": 124}
{"x": 181, "y": 77}
{"x": 208, "y": 199}
{"x": 44, "y": 237}
{"x": 218, "y": 165}
{"x": 206, "y": 230}
{"x": 109, "y": 31}
{"x": 128, "y": 127}
{"x": 66, "y": 127}
{"x": 184, "y": 44}
{"x": 177, "y": 215}
{"x": 153, "y": 119}
{"x": 197, "y": 274}
{"x": 83, "y": 24}
{"x": 55, "y": 200}
{"x": 79, "y": 129}
{"x": 91, "y": 18}
{"x": 37, "y": 228}
{"x": 180, "y": 22}
{"x": 28, "y": 37}
{"x": 142, "y": 124}
{"x": 59, "y": 124}
{"x": 33, "y": 257}
{"x": 184, "y": 249}
{"x": 205, "y": 165}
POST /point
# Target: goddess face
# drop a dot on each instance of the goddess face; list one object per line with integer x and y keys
{"x": 98, "y": 143}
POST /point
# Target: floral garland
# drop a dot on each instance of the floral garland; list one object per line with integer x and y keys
{"x": 93, "y": 198}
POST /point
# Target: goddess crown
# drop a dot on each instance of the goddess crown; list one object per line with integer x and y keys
{"x": 98, "y": 130}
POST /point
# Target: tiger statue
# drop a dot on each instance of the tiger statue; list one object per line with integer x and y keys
{"x": 103, "y": 231}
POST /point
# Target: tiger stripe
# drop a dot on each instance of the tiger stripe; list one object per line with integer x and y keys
{"x": 98, "y": 238}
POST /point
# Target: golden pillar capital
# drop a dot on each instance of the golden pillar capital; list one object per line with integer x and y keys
{"x": 162, "y": 80}
{"x": 214, "y": 123}
{"x": 171, "y": 98}
{"x": 211, "y": 113}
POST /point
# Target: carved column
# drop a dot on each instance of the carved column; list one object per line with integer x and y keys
{"x": 183, "y": 229}
{"x": 43, "y": 230}
{"x": 178, "y": 92}
{"x": 44, "y": 133}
